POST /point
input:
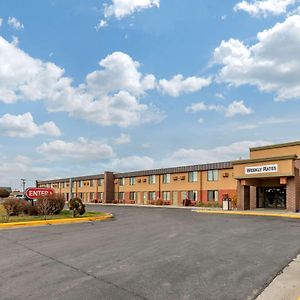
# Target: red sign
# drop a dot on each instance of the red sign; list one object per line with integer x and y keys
{"x": 35, "y": 193}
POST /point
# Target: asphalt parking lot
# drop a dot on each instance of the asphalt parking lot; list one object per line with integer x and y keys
{"x": 147, "y": 253}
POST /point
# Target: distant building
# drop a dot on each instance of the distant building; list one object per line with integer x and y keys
{"x": 270, "y": 178}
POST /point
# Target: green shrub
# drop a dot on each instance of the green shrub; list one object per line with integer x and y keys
{"x": 77, "y": 207}
{"x": 200, "y": 204}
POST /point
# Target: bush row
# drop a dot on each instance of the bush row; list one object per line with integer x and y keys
{"x": 49, "y": 205}
{"x": 15, "y": 207}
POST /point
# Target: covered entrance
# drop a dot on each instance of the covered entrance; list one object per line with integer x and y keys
{"x": 271, "y": 183}
{"x": 271, "y": 197}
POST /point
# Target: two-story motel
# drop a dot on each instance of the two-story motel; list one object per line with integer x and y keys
{"x": 268, "y": 179}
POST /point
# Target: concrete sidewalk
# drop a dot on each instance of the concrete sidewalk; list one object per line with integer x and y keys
{"x": 143, "y": 205}
{"x": 258, "y": 212}
{"x": 286, "y": 286}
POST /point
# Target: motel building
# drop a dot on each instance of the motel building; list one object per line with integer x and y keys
{"x": 269, "y": 179}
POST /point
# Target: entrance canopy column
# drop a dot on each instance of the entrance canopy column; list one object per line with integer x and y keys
{"x": 243, "y": 196}
{"x": 292, "y": 192}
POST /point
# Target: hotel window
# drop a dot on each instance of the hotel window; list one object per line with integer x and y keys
{"x": 100, "y": 181}
{"x": 151, "y": 195}
{"x": 166, "y": 196}
{"x": 100, "y": 196}
{"x": 81, "y": 196}
{"x": 193, "y": 195}
{"x": 73, "y": 195}
{"x": 91, "y": 182}
{"x": 122, "y": 181}
{"x": 193, "y": 176}
{"x": 132, "y": 196}
{"x": 80, "y": 183}
{"x": 151, "y": 179}
{"x": 132, "y": 181}
{"x": 183, "y": 195}
{"x": 213, "y": 195}
{"x": 166, "y": 178}
{"x": 92, "y": 196}
{"x": 213, "y": 175}
{"x": 121, "y": 196}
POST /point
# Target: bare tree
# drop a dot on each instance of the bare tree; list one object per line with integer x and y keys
{"x": 12, "y": 206}
{"x": 44, "y": 207}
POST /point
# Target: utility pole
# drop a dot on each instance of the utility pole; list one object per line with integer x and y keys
{"x": 23, "y": 186}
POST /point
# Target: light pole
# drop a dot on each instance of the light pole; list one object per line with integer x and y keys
{"x": 23, "y": 186}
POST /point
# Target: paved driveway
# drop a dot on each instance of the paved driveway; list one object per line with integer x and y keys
{"x": 147, "y": 253}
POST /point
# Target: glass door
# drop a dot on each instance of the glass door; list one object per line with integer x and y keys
{"x": 271, "y": 197}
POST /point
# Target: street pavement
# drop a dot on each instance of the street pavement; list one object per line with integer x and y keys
{"x": 147, "y": 253}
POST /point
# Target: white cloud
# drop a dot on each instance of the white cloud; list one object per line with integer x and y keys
{"x": 15, "y": 23}
{"x": 109, "y": 96}
{"x": 220, "y": 96}
{"x": 267, "y": 122}
{"x": 24, "y": 126}
{"x": 264, "y": 8}
{"x": 12, "y": 170}
{"x": 233, "y": 151}
{"x": 146, "y": 145}
{"x": 201, "y": 106}
{"x": 120, "y": 72}
{"x": 101, "y": 24}
{"x": 122, "y": 8}
{"x": 178, "y": 85}
{"x": 272, "y": 64}
{"x": 122, "y": 139}
{"x": 235, "y": 108}
{"x": 81, "y": 149}
{"x": 15, "y": 41}
{"x": 132, "y": 163}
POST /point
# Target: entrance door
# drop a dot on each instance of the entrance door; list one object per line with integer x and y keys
{"x": 271, "y": 197}
{"x": 175, "y": 198}
{"x": 145, "y": 198}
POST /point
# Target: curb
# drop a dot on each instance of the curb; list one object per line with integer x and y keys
{"x": 55, "y": 222}
{"x": 142, "y": 205}
{"x": 241, "y": 213}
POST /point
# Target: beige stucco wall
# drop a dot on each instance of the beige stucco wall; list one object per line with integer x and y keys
{"x": 285, "y": 168}
{"x": 180, "y": 182}
{"x": 275, "y": 152}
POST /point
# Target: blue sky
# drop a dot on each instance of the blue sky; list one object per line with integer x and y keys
{"x": 88, "y": 86}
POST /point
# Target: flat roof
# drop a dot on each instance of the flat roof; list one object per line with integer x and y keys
{"x": 182, "y": 169}
{"x": 297, "y": 143}
{"x": 266, "y": 159}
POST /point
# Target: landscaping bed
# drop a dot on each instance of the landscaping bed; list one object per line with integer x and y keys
{"x": 64, "y": 214}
